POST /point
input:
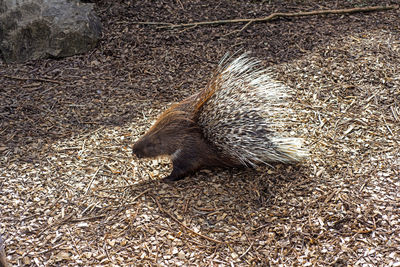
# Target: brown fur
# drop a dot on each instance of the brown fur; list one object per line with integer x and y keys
{"x": 207, "y": 93}
{"x": 176, "y": 134}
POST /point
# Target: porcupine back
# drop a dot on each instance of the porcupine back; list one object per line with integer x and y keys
{"x": 245, "y": 114}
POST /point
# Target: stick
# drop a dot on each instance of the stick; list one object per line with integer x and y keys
{"x": 94, "y": 176}
{"x": 52, "y": 248}
{"x": 247, "y": 250}
{"x": 273, "y": 16}
{"x": 86, "y": 219}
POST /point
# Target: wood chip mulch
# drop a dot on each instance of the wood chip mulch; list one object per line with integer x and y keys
{"x": 72, "y": 194}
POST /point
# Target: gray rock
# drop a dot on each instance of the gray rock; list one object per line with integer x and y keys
{"x": 34, "y": 29}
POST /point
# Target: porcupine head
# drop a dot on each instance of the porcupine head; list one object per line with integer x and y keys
{"x": 239, "y": 119}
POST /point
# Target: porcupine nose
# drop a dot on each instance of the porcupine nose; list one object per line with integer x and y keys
{"x": 137, "y": 153}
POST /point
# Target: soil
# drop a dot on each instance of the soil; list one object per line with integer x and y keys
{"x": 72, "y": 194}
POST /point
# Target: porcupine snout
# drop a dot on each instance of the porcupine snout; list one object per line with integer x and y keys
{"x": 139, "y": 149}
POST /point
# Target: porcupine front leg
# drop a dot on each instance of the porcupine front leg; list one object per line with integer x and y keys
{"x": 184, "y": 162}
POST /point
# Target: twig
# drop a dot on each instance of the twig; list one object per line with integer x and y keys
{"x": 52, "y": 248}
{"x": 152, "y": 23}
{"x": 180, "y": 3}
{"x": 86, "y": 219}
{"x": 107, "y": 253}
{"x": 247, "y": 250}
{"x": 141, "y": 194}
{"x": 34, "y": 79}
{"x": 273, "y": 16}
{"x": 118, "y": 187}
{"x": 240, "y": 30}
{"x": 180, "y": 223}
{"x": 64, "y": 221}
{"x": 94, "y": 176}
{"x": 73, "y": 241}
{"x": 386, "y": 124}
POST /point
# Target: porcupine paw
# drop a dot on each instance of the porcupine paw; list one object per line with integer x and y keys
{"x": 182, "y": 166}
{"x": 176, "y": 174}
{"x": 171, "y": 178}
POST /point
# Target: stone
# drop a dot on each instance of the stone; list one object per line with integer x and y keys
{"x": 35, "y": 29}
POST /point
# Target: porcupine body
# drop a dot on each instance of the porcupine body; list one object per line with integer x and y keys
{"x": 242, "y": 118}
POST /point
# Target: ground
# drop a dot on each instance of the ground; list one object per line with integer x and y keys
{"x": 72, "y": 194}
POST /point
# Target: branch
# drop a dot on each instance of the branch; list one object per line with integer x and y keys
{"x": 273, "y": 16}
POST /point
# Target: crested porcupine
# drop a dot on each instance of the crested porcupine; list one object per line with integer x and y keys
{"x": 241, "y": 118}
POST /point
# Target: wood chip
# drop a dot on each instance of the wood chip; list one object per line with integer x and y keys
{"x": 72, "y": 194}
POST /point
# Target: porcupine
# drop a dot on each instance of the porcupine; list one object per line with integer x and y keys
{"x": 238, "y": 119}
